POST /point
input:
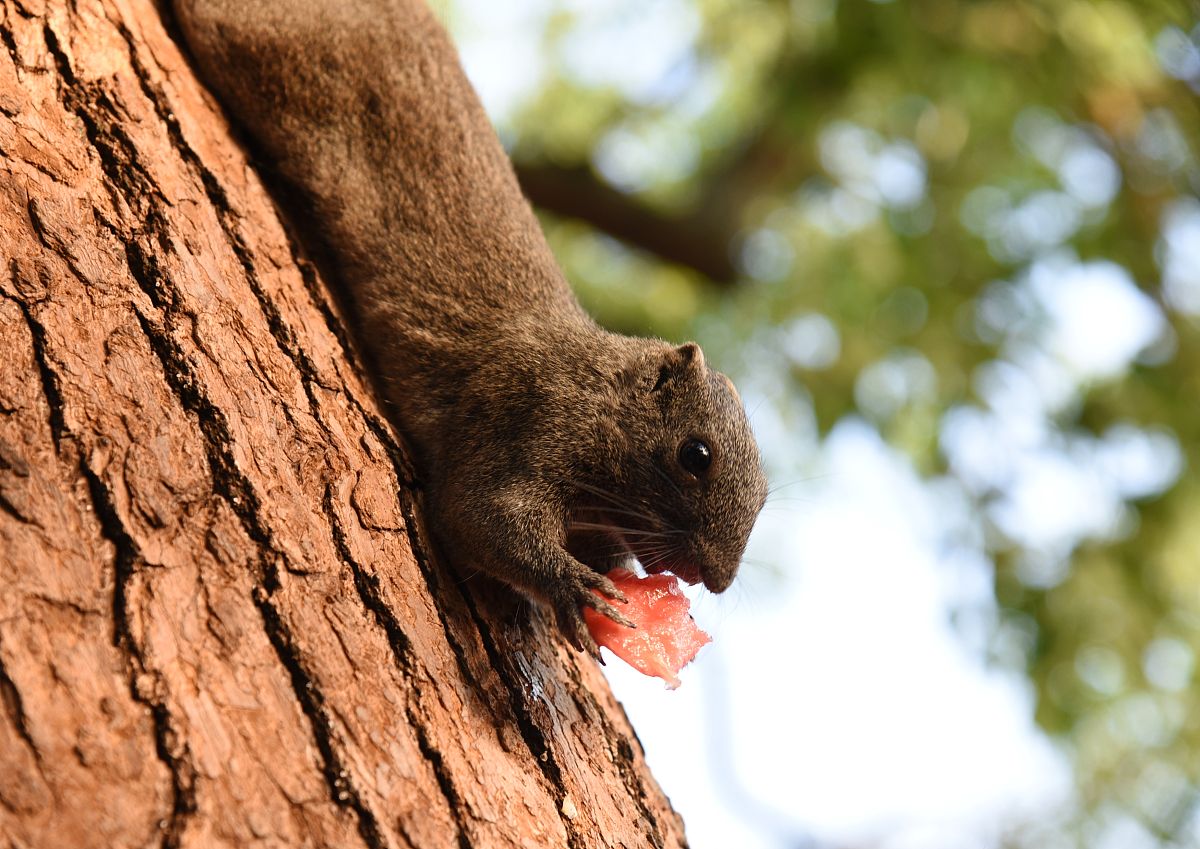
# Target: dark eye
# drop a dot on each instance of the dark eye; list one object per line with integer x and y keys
{"x": 695, "y": 457}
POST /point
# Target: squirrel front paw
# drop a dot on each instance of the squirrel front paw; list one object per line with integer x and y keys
{"x": 573, "y": 593}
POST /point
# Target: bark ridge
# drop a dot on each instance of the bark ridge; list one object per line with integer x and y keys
{"x": 220, "y": 625}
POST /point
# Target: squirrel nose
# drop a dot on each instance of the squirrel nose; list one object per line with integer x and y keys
{"x": 718, "y": 580}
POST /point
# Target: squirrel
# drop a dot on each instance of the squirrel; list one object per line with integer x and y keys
{"x": 551, "y": 449}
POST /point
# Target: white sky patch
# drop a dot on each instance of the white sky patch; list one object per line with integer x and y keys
{"x": 1053, "y": 502}
{"x": 500, "y": 48}
{"x": 1139, "y": 462}
{"x": 1099, "y": 319}
{"x": 980, "y": 446}
{"x": 630, "y": 45}
{"x": 902, "y": 377}
{"x": 883, "y": 173}
{"x": 837, "y": 211}
{"x": 1178, "y": 54}
{"x": 812, "y": 341}
{"x": 1089, "y": 175}
{"x": 838, "y": 697}
{"x": 632, "y": 159}
{"x": 899, "y": 175}
{"x": 1179, "y": 255}
{"x": 1048, "y": 490}
{"x": 1022, "y": 392}
{"x": 1038, "y": 223}
{"x": 1168, "y": 664}
{"x": 1084, "y": 168}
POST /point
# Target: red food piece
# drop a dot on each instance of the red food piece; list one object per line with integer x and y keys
{"x": 666, "y": 637}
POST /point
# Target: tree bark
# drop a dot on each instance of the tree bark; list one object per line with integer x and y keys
{"x": 221, "y": 624}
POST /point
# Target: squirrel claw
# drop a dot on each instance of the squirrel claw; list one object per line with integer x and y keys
{"x": 585, "y": 581}
{"x": 596, "y": 581}
{"x": 601, "y": 606}
{"x": 570, "y": 621}
{"x": 610, "y": 590}
{"x": 577, "y": 595}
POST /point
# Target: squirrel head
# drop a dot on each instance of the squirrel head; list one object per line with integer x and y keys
{"x": 689, "y": 472}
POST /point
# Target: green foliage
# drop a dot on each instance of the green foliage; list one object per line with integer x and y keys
{"x": 909, "y": 188}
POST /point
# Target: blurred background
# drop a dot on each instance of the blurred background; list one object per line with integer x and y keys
{"x": 950, "y": 252}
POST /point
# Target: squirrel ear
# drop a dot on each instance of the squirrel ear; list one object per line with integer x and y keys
{"x": 689, "y": 354}
{"x": 677, "y": 361}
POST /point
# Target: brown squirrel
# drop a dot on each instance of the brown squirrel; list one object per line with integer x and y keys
{"x": 552, "y": 449}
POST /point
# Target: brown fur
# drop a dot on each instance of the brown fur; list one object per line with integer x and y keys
{"x": 549, "y": 446}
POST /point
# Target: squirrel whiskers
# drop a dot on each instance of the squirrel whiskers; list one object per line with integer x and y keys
{"x": 525, "y": 416}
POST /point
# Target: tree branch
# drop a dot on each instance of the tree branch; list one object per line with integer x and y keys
{"x": 700, "y": 240}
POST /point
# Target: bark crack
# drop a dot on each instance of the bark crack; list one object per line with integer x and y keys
{"x": 285, "y": 337}
{"x": 14, "y": 53}
{"x": 433, "y": 584}
{"x": 312, "y": 702}
{"x": 401, "y": 646}
{"x": 6, "y": 506}
{"x": 126, "y": 180}
{"x": 40, "y": 167}
{"x": 534, "y": 737}
{"x": 51, "y": 390}
{"x": 233, "y": 487}
{"x": 317, "y": 296}
{"x": 622, "y": 751}
{"x": 368, "y": 591}
{"x": 406, "y": 475}
{"x": 9, "y": 42}
{"x": 51, "y": 243}
{"x": 174, "y": 753}
{"x": 126, "y": 555}
{"x": 445, "y": 783}
{"x": 281, "y": 332}
{"x": 14, "y": 705}
{"x": 88, "y": 102}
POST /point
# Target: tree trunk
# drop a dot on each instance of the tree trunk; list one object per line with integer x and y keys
{"x": 220, "y": 623}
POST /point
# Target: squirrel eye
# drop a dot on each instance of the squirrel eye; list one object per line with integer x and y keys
{"x": 695, "y": 457}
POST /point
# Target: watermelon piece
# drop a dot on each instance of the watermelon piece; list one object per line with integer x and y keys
{"x": 666, "y": 637}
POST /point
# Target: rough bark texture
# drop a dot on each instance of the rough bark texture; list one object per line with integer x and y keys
{"x": 220, "y": 624}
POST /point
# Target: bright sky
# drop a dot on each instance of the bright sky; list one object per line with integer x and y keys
{"x": 837, "y": 700}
